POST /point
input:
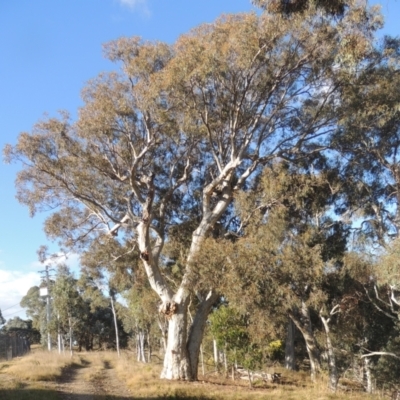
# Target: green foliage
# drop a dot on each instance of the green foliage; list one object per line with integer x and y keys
{"x": 229, "y": 328}
{"x": 35, "y": 306}
{"x": 67, "y": 302}
{"x": 22, "y": 328}
{"x": 387, "y": 368}
{"x": 276, "y": 350}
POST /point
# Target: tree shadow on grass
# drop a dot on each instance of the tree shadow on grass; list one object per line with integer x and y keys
{"x": 46, "y": 394}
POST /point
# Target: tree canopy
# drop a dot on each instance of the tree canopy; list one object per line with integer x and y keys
{"x": 254, "y": 107}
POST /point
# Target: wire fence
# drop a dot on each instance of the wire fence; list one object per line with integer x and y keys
{"x": 13, "y": 345}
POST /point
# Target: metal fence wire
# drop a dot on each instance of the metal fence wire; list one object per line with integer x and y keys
{"x": 13, "y": 345}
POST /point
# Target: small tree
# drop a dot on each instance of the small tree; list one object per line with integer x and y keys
{"x": 35, "y": 306}
{"x": 68, "y": 304}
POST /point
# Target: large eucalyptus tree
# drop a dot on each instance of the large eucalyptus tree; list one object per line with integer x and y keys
{"x": 179, "y": 131}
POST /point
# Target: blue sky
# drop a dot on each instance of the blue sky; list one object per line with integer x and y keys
{"x": 48, "y": 50}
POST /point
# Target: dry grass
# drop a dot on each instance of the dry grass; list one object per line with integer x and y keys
{"x": 15, "y": 386}
{"x": 143, "y": 380}
{"x": 40, "y": 366}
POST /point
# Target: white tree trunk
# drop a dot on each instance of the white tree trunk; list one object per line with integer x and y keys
{"x": 368, "y": 375}
{"x": 148, "y": 347}
{"x": 333, "y": 375}
{"x": 225, "y": 361}
{"x": 164, "y": 333}
{"x": 71, "y": 350}
{"x": 140, "y": 346}
{"x": 115, "y": 324}
{"x": 197, "y": 331}
{"x": 59, "y": 343}
{"x": 182, "y": 353}
{"x": 303, "y": 322}
{"x": 176, "y": 360}
{"x": 215, "y": 348}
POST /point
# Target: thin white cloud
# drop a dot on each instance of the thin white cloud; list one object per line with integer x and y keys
{"x": 140, "y": 5}
{"x": 13, "y": 287}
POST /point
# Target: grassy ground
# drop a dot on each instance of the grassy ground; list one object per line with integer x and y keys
{"x": 25, "y": 378}
{"x": 34, "y": 377}
{"x": 143, "y": 380}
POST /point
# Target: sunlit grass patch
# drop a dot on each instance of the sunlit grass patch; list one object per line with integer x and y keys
{"x": 19, "y": 379}
{"x": 143, "y": 380}
{"x": 41, "y": 366}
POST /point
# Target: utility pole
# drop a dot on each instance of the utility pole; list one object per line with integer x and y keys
{"x": 46, "y": 277}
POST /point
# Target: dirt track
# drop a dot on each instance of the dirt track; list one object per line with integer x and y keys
{"x": 103, "y": 383}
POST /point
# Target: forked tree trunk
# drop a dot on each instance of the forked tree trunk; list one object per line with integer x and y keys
{"x": 333, "y": 375}
{"x": 176, "y": 360}
{"x": 181, "y": 359}
{"x": 289, "y": 346}
{"x": 182, "y": 354}
{"x": 303, "y": 322}
{"x": 197, "y": 330}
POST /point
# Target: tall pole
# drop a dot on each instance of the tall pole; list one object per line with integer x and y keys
{"x": 115, "y": 321}
{"x": 48, "y": 305}
{"x": 48, "y": 308}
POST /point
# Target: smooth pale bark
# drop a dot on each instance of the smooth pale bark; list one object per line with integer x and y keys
{"x": 140, "y": 347}
{"x": 289, "y": 346}
{"x": 333, "y": 375}
{"x": 59, "y": 343}
{"x": 368, "y": 375}
{"x": 164, "y": 341}
{"x": 71, "y": 351}
{"x": 215, "y": 348}
{"x": 182, "y": 352}
{"x": 58, "y": 335}
{"x": 115, "y": 324}
{"x": 137, "y": 347}
{"x": 197, "y": 330}
{"x": 303, "y": 322}
{"x": 176, "y": 360}
{"x": 148, "y": 347}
